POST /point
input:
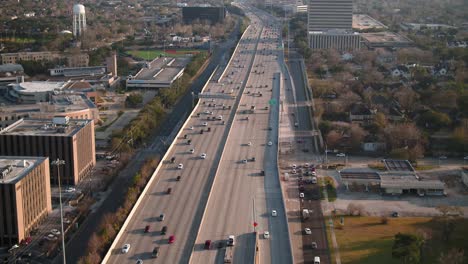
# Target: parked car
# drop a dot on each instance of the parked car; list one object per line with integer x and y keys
{"x": 308, "y": 231}
{"x": 203, "y": 156}
{"x": 55, "y": 232}
{"x": 266, "y": 235}
{"x": 169, "y": 190}
{"x": 171, "y": 239}
{"x": 164, "y": 230}
{"x": 341, "y": 155}
{"x": 155, "y": 252}
{"x": 274, "y": 213}
{"x": 180, "y": 166}
{"x": 207, "y": 244}
{"x": 147, "y": 228}
{"x": 161, "y": 217}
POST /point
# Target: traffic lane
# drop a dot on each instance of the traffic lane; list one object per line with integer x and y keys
{"x": 162, "y": 199}
{"x": 303, "y": 116}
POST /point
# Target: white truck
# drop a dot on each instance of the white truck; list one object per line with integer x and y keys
{"x": 305, "y": 214}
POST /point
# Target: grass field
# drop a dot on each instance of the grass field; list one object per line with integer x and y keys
{"x": 151, "y": 54}
{"x": 365, "y": 240}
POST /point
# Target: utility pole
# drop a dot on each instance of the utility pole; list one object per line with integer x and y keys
{"x": 58, "y": 163}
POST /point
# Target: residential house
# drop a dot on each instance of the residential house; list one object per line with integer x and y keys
{"x": 361, "y": 114}
{"x": 400, "y": 71}
{"x": 373, "y": 146}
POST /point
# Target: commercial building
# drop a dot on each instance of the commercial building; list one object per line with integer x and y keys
{"x": 159, "y": 73}
{"x": 72, "y": 60}
{"x": 363, "y": 22}
{"x": 25, "y": 199}
{"x": 385, "y": 39}
{"x": 33, "y": 92}
{"x": 57, "y": 138}
{"x": 209, "y": 13}
{"x": 73, "y": 105}
{"x": 9, "y": 73}
{"x": 335, "y": 39}
{"x": 330, "y": 14}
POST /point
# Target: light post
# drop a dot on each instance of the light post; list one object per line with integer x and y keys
{"x": 58, "y": 163}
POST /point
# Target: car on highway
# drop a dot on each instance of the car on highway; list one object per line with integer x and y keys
{"x": 178, "y": 178}
{"x": 308, "y": 231}
{"x": 314, "y": 245}
{"x": 306, "y": 165}
{"x": 294, "y": 171}
{"x": 266, "y": 235}
{"x": 55, "y": 232}
{"x": 51, "y": 237}
{"x": 161, "y": 217}
{"x": 301, "y": 195}
{"x": 163, "y": 230}
{"x": 191, "y": 151}
{"x": 341, "y": 155}
{"x": 249, "y": 143}
{"x": 270, "y": 143}
{"x": 139, "y": 261}
{"x": 316, "y": 260}
{"x": 70, "y": 190}
{"x": 203, "y": 156}
{"x": 180, "y": 166}
{"x": 244, "y": 161}
{"x": 274, "y": 213}
{"x": 204, "y": 124}
{"x": 171, "y": 239}
{"x": 155, "y": 252}
{"x": 169, "y": 190}
{"x": 125, "y": 248}
{"x": 190, "y": 128}
{"x": 207, "y": 244}
{"x": 147, "y": 228}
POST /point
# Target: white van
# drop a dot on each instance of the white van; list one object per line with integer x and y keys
{"x": 316, "y": 260}
{"x": 314, "y": 180}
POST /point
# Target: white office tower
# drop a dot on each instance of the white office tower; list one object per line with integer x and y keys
{"x": 79, "y": 20}
{"x": 330, "y": 14}
{"x": 330, "y": 24}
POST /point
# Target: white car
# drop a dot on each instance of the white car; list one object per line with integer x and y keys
{"x": 274, "y": 213}
{"x": 306, "y": 165}
{"x": 266, "y": 235}
{"x": 70, "y": 189}
{"x": 204, "y": 124}
{"x": 55, "y": 232}
{"x": 249, "y": 143}
{"x": 294, "y": 166}
{"x": 192, "y": 151}
{"x": 308, "y": 231}
{"x": 139, "y": 261}
{"x": 190, "y": 128}
{"x": 203, "y": 156}
{"x": 341, "y": 155}
{"x": 301, "y": 195}
{"x": 244, "y": 161}
{"x": 125, "y": 248}
{"x": 270, "y": 143}
{"x": 180, "y": 166}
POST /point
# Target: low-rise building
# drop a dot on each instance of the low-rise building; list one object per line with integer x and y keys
{"x": 59, "y": 138}
{"x": 159, "y": 73}
{"x": 33, "y": 92}
{"x": 73, "y": 60}
{"x": 335, "y": 39}
{"x": 360, "y": 113}
{"x": 25, "y": 197}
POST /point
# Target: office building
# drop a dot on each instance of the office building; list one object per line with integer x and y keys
{"x": 330, "y": 14}
{"x": 24, "y": 197}
{"x": 333, "y": 39}
{"x": 203, "y": 13}
{"x": 57, "y": 138}
{"x": 72, "y": 60}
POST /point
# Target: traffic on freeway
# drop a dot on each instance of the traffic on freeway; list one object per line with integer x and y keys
{"x": 165, "y": 219}
{"x": 246, "y": 194}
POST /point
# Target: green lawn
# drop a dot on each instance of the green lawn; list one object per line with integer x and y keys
{"x": 151, "y": 54}
{"x": 365, "y": 240}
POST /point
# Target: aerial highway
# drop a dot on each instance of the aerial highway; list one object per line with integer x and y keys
{"x": 246, "y": 187}
{"x": 178, "y": 187}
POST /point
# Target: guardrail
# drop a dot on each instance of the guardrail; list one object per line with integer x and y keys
{"x": 152, "y": 179}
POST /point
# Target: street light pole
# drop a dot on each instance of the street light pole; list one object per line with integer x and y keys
{"x": 58, "y": 163}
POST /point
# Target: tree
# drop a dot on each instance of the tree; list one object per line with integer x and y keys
{"x": 453, "y": 256}
{"x": 406, "y": 97}
{"x": 407, "y": 248}
{"x": 134, "y": 99}
{"x": 333, "y": 138}
{"x": 357, "y": 136}
{"x": 435, "y": 120}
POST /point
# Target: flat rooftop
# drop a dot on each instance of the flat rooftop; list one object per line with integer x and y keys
{"x": 44, "y": 127}
{"x": 13, "y": 168}
{"x": 398, "y": 165}
{"x": 152, "y": 68}
{"x": 359, "y": 175}
{"x": 384, "y": 37}
{"x": 59, "y": 103}
{"x": 409, "y": 181}
{"x": 38, "y": 86}
{"x": 362, "y": 21}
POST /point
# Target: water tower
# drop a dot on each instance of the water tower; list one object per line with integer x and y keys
{"x": 79, "y": 20}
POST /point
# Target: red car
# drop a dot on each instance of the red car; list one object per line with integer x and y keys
{"x": 208, "y": 244}
{"x": 147, "y": 228}
{"x": 171, "y": 239}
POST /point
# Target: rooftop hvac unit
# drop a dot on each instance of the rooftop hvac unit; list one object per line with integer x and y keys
{"x": 61, "y": 120}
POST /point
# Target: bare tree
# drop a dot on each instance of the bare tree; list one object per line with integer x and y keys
{"x": 333, "y": 138}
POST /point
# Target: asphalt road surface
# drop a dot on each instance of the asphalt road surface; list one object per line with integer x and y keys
{"x": 185, "y": 200}
{"x": 240, "y": 194}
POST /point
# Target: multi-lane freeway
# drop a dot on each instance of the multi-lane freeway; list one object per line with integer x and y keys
{"x": 180, "y": 187}
{"x": 246, "y": 187}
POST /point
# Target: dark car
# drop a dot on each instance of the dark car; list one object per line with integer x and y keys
{"x": 169, "y": 190}
{"x": 171, "y": 239}
{"x": 155, "y": 252}
{"x": 221, "y": 244}
{"x": 178, "y": 178}
{"x": 172, "y": 159}
{"x": 164, "y": 230}
{"x": 147, "y": 228}
{"x": 207, "y": 244}
{"x": 395, "y": 214}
